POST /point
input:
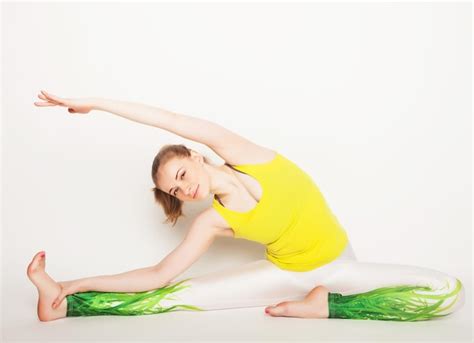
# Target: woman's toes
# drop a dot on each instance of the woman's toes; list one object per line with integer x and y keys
{"x": 37, "y": 264}
{"x": 287, "y": 309}
{"x": 277, "y": 310}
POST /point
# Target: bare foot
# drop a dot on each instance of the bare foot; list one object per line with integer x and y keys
{"x": 48, "y": 289}
{"x": 314, "y": 305}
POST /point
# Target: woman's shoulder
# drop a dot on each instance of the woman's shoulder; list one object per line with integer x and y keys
{"x": 211, "y": 217}
{"x": 252, "y": 154}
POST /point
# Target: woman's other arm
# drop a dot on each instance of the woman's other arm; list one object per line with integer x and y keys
{"x": 197, "y": 241}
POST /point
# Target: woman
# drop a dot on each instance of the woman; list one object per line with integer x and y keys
{"x": 310, "y": 270}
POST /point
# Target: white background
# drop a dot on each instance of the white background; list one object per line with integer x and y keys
{"x": 372, "y": 100}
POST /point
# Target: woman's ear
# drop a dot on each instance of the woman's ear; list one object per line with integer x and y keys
{"x": 198, "y": 157}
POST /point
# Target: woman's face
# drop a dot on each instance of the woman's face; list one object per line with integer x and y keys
{"x": 181, "y": 177}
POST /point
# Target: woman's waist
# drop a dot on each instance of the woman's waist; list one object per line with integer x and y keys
{"x": 305, "y": 238}
{"x": 311, "y": 258}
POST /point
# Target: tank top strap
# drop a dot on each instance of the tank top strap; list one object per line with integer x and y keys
{"x": 249, "y": 168}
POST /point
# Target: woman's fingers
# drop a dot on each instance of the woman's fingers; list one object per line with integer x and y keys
{"x": 57, "y": 301}
{"x": 52, "y": 97}
{"x": 60, "y": 297}
{"x": 74, "y": 105}
{"x": 44, "y": 104}
{"x": 42, "y": 97}
{"x": 47, "y": 103}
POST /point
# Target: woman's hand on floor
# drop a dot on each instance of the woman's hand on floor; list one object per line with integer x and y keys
{"x": 80, "y": 105}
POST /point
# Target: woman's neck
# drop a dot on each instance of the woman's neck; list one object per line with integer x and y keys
{"x": 223, "y": 182}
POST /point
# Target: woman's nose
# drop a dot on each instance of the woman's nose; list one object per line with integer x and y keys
{"x": 188, "y": 190}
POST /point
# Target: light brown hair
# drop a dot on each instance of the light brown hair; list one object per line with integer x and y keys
{"x": 172, "y": 206}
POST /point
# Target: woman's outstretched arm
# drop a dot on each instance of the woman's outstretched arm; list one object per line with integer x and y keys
{"x": 230, "y": 146}
{"x": 196, "y": 129}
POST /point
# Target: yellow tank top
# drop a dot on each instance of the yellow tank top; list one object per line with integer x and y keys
{"x": 292, "y": 217}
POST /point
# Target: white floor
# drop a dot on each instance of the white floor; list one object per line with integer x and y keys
{"x": 19, "y": 323}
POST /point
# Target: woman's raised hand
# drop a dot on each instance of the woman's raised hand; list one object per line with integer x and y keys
{"x": 81, "y": 105}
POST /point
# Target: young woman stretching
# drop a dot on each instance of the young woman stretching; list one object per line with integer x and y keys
{"x": 310, "y": 270}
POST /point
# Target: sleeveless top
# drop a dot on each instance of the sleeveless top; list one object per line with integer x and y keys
{"x": 292, "y": 217}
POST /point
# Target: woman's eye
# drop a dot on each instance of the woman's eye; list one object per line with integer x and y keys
{"x": 182, "y": 175}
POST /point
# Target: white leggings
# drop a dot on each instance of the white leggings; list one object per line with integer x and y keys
{"x": 358, "y": 290}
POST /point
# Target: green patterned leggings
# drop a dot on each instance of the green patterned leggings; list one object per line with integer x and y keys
{"x": 358, "y": 290}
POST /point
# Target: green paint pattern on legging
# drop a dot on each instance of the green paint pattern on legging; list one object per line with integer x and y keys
{"x": 400, "y": 303}
{"x": 125, "y": 304}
